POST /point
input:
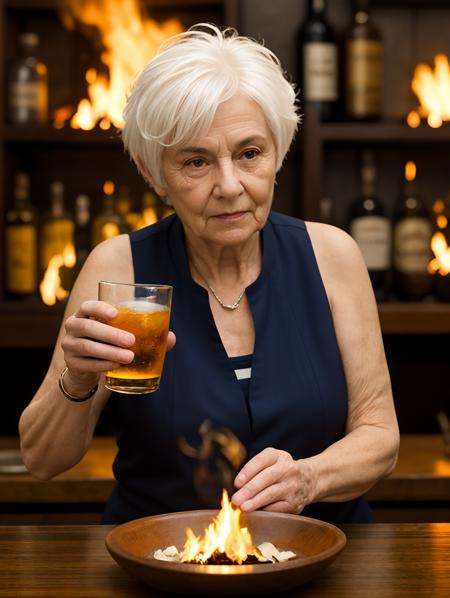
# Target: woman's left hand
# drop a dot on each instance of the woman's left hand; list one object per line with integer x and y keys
{"x": 273, "y": 481}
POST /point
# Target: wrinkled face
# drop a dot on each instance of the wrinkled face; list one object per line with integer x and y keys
{"x": 221, "y": 183}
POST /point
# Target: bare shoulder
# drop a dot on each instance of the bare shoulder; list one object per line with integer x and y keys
{"x": 339, "y": 259}
{"x": 332, "y": 243}
{"x": 112, "y": 255}
{"x": 110, "y": 260}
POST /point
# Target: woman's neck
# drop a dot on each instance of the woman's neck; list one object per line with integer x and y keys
{"x": 219, "y": 266}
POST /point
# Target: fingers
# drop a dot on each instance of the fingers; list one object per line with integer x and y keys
{"x": 261, "y": 498}
{"x": 281, "y": 506}
{"x": 96, "y": 309}
{"x": 85, "y": 365}
{"x": 80, "y": 347}
{"x": 171, "y": 340}
{"x": 90, "y": 345}
{"x": 271, "y": 478}
{"x": 85, "y": 328}
{"x": 261, "y": 461}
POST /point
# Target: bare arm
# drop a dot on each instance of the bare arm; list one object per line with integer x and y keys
{"x": 272, "y": 479}
{"x": 55, "y": 433}
{"x": 369, "y": 449}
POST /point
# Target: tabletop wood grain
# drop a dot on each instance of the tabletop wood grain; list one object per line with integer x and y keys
{"x": 379, "y": 561}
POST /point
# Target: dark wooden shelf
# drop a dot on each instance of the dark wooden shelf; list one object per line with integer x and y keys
{"x": 422, "y": 473}
{"x": 30, "y": 4}
{"x": 49, "y": 134}
{"x": 230, "y": 9}
{"x": 53, "y": 4}
{"x": 382, "y": 132}
{"x": 415, "y": 318}
{"x": 411, "y": 3}
{"x": 90, "y": 481}
{"x": 30, "y": 324}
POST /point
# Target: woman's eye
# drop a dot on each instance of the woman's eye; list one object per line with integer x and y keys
{"x": 196, "y": 163}
{"x": 250, "y": 154}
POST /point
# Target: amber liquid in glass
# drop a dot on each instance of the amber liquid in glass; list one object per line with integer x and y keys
{"x": 149, "y": 322}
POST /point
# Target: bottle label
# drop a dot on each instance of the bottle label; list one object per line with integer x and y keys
{"x": 24, "y": 95}
{"x": 364, "y": 77}
{"x": 21, "y": 258}
{"x": 412, "y": 245}
{"x": 320, "y": 72}
{"x": 56, "y": 235}
{"x": 373, "y": 235}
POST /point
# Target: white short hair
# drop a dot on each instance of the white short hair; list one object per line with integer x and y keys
{"x": 176, "y": 95}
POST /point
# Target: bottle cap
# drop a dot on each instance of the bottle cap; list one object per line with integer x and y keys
{"x": 22, "y": 185}
{"x": 29, "y": 39}
{"x": 22, "y": 179}
{"x": 319, "y": 5}
{"x": 368, "y": 173}
{"x": 57, "y": 188}
{"x": 82, "y": 201}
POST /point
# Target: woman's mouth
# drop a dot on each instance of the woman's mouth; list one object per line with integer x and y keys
{"x": 230, "y": 216}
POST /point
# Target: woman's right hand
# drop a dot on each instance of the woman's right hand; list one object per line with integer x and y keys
{"x": 92, "y": 346}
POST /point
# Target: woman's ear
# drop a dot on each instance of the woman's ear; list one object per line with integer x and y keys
{"x": 161, "y": 191}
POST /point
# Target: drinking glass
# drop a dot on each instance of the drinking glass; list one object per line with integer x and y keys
{"x": 143, "y": 310}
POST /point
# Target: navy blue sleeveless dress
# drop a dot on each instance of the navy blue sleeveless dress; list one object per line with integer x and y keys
{"x": 297, "y": 399}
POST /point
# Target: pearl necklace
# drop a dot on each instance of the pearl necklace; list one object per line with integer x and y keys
{"x": 231, "y": 306}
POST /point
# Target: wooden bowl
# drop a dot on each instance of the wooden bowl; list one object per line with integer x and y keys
{"x": 316, "y": 544}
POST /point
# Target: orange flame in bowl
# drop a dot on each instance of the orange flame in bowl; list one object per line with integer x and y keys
{"x": 223, "y": 536}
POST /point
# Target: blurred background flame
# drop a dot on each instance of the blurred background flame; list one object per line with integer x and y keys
{"x": 129, "y": 39}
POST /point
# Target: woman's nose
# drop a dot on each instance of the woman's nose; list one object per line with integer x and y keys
{"x": 227, "y": 184}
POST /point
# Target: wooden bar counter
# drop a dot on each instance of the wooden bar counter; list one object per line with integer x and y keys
{"x": 421, "y": 480}
{"x": 380, "y": 560}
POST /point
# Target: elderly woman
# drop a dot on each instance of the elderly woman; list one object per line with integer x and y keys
{"x": 208, "y": 124}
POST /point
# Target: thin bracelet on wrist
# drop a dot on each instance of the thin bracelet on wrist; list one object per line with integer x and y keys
{"x": 72, "y": 397}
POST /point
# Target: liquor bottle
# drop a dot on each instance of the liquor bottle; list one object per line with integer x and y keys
{"x": 412, "y": 242}
{"x": 27, "y": 85}
{"x": 371, "y": 228}
{"x": 108, "y": 223}
{"x": 124, "y": 207}
{"x": 57, "y": 230}
{"x": 82, "y": 234}
{"x": 318, "y": 62}
{"x": 363, "y": 66}
{"x": 21, "y": 242}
